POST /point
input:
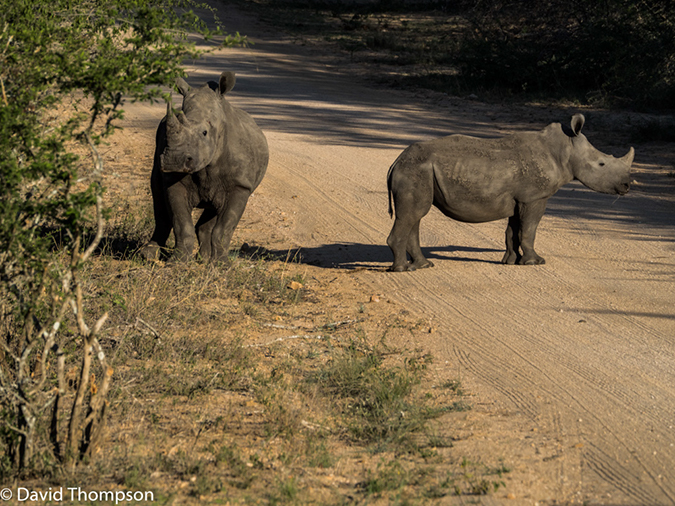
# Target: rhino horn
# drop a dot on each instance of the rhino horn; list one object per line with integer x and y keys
{"x": 226, "y": 82}
{"x": 173, "y": 125}
{"x": 171, "y": 120}
{"x": 183, "y": 87}
{"x": 628, "y": 158}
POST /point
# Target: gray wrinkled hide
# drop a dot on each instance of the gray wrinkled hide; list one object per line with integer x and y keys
{"x": 477, "y": 180}
{"x": 211, "y": 156}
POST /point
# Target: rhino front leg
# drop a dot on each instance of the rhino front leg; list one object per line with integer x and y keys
{"x": 162, "y": 216}
{"x": 183, "y": 228}
{"x": 227, "y": 221}
{"x": 530, "y": 216}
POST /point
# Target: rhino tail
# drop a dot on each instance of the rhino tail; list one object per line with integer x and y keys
{"x": 391, "y": 207}
{"x": 438, "y": 188}
{"x": 389, "y": 174}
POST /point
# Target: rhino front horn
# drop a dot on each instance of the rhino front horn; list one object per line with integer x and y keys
{"x": 628, "y": 158}
{"x": 172, "y": 122}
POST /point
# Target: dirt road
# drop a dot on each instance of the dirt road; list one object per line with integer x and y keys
{"x": 572, "y": 363}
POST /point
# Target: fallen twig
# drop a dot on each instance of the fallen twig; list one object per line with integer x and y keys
{"x": 149, "y": 327}
{"x": 281, "y": 339}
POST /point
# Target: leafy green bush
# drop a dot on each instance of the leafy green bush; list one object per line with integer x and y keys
{"x": 615, "y": 51}
{"x": 65, "y": 69}
{"x": 610, "y": 52}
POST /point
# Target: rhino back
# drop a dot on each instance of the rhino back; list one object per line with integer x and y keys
{"x": 245, "y": 153}
{"x": 522, "y": 165}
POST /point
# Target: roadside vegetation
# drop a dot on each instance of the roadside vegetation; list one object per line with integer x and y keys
{"x": 252, "y": 382}
{"x": 610, "y": 53}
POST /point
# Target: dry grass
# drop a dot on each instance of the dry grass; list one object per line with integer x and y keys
{"x": 259, "y": 382}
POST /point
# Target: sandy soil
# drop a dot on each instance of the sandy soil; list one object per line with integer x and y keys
{"x": 572, "y": 364}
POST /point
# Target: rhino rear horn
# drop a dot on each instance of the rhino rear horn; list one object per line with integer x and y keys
{"x": 182, "y": 86}
{"x": 227, "y": 80}
{"x": 578, "y": 121}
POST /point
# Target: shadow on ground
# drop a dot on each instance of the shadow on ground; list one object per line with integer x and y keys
{"x": 374, "y": 256}
{"x": 639, "y": 210}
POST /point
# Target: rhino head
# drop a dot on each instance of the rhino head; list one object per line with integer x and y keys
{"x": 195, "y": 135}
{"x": 596, "y": 170}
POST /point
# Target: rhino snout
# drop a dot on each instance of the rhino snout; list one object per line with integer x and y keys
{"x": 622, "y": 188}
{"x": 173, "y": 163}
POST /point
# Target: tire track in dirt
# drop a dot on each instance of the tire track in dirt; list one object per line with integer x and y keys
{"x": 544, "y": 345}
{"x": 358, "y": 228}
{"x": 602, "y": 380}
{"x": 509, "y": 383}
{"x": 612, "y": 471}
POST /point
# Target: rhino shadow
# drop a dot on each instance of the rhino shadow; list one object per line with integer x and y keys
{"x": 375, "y": 257}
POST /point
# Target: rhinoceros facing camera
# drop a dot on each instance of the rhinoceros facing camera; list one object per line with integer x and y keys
{"x": 210, "y": 155}
{"x": 477, "y": 180}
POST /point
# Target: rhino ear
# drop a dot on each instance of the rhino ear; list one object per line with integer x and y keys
{"x": 182, "y": 86}
{"x": 227, "y": 80}
{"x": 578, "y": 121}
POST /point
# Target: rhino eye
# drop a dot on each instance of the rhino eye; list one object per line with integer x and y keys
{"x": 204, "y": 134}
{"x": 602, "y": 164}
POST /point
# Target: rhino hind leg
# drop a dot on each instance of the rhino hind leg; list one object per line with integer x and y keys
{"x": 404, "y": 235}
{"x": 415, "y": 251}
{"x": 226, "y": 222}
{"x": 204, "y": 228}
{"x": 397, "y": 242}
{"x": 153, "y": 250}
{"x": 512, "y": 254}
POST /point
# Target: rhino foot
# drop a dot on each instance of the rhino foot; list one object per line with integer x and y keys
{"x": 398, "y": 268}
{"x": 425, "y": 264}
{"x": 411, "y": 266}
{"x": 150, "y": 251}
{"x": 532, "y": 261}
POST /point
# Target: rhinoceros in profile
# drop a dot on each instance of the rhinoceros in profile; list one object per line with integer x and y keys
{"x": 477, "y": 180}
{"x": 210, "y": 156}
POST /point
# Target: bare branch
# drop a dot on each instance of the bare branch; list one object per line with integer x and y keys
{"x": 79, "y": 314}
{"x": 54, "y": 426}
{"x": 17, "y": 430}
{"x": 75, "y": 415}
{"x": 281, "y": 339}
{"x": 49, "y": 343}
{"x": 4, "y": 94}
{"x": 2, "y": 81}
{"x": 99, "y": 324}
{"x": 93, "y": 423}
{"x": 100, "y": 224}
